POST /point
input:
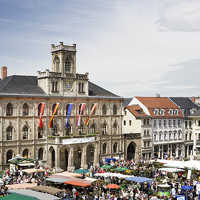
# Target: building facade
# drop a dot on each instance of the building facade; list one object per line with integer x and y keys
{"x": 137, "y": 122}
{"x": 68, "y": 147}
{"x": 161, "y": 124}
{"x": 191, "y": 114}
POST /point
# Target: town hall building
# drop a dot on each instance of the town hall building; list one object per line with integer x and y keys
{"x": 59, "y": 116}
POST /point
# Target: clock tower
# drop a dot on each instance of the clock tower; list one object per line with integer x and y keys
{"x": 63, "y": 79}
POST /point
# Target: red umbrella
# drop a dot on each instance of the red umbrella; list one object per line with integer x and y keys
{"x": 112, "y": 186}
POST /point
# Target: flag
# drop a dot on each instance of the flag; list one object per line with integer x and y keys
{"x": 79, "y": 115}
{"x": 54, "y": 112}
{"x": 68, "y": 114}
{"x": 41, "y": 114}
{"x": 91, "y": 113}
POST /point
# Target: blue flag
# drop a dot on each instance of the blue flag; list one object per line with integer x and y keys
{"x": 68, "y": 114}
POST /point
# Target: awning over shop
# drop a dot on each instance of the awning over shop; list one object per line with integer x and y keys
{"x": 172, "y": 170}
{"x": 109, "y": 174}
{"x": 78, "y": 183}
{"x": 91, "y": 180}
{"x": 31, "y": 171}
{"x": 46, "y": 189}
{"x": 78, "y": 140}
{"x": 139, "y": 179}
{"x": 69, "y": 174}
{"x": 57, "y": 179}
{"x": 26, "y": 164}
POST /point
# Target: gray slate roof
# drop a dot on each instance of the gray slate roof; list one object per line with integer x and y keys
{"x": 126, "y": 101}
{"x": 95, "y": 90}
{"x": 185, "y": 103}
{"x": 18, "y": 84}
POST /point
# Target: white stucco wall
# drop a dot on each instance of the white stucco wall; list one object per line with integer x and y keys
{"x": 135, "y": 123}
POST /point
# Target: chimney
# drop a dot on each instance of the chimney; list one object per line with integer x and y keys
{"x": 193, "y": 99}
{"x": 3, "y": 72}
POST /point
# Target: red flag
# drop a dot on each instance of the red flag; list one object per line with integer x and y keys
{"x": 79, "y": 115}
{"x": 41, "y": 113}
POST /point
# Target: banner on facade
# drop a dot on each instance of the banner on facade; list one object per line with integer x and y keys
{"x": 78, "y": 140}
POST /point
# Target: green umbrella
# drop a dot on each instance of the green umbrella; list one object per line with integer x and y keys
{"x": 18, "y": 197}
{"x": 120, "y": 169}
{"x": 81, "y": 171}
{"x": 106, "y": 166}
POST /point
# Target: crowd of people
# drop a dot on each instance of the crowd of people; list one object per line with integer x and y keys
{"x": 176, "y": 185}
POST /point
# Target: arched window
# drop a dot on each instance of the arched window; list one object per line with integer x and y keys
{"x": 104, "y": 148}
{"x": 53, "y": 108}
{"x": 9, "y": 109}
{"x": 40, "y": 154}
{"x": 81, "y": 129}
{"x": 170, "y": 135}
{"x": 40, "y": 132}
{"x": 68, "y": 129}
{"x": 165, "y": 135}
{"x": 67, "y": 65}
{"x": 93, "y": 128}
{"x": 25, "y": 153}
{"x": 54, "y": 86}
{"x": 115, "y": 127}
{"x": 114, "y": 109}
{"x": 9, "y": 131}
{"x": 104, "y": 110}
{"x": 25, "y": 132}
{"x": 155, "y": 136}
{"x": 175, "y": 135}
{"x": 54, "y": 128}
{"x": 25, "y": 109}
{"x": 9, "y": 155}
{"x": 179, "y": 134}
{"x": 115, "y": 148}
{"x": 160, "y": 135}
{"x": 56, "y": 63}
{"x": 104, "y": 128}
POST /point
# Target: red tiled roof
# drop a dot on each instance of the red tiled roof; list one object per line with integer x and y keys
{"x": 160, "y": 103}
{"x": 137, "y": 111}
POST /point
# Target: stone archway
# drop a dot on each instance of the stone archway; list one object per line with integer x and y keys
{"x": 90, "y": 155}
{"x": 77, "y": 157}
{"x": 40, "y": 154}
{"x": 64, "y": 157}
{"x": 25, "y": 153}
{"x": 131, "y": 151}
{"x": 52, "y": 157}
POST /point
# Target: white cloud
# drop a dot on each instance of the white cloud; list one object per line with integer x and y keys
{"x": 180, "y": 15}
{"x": 118, "y": 43}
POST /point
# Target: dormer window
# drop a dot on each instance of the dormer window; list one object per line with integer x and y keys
{"x": 175, "y": 112}
{"x": 162, "y": 112}
{"x": 170, "y": 112}
{"x": 156, "y": 111}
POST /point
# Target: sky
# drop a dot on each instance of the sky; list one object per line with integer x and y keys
{"x": 129, "y": 47}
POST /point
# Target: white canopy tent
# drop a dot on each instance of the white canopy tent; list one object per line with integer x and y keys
{"x": 190, "y": 164}
{"x": 108, "y": 174}
{"x": 172, "y": 170}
